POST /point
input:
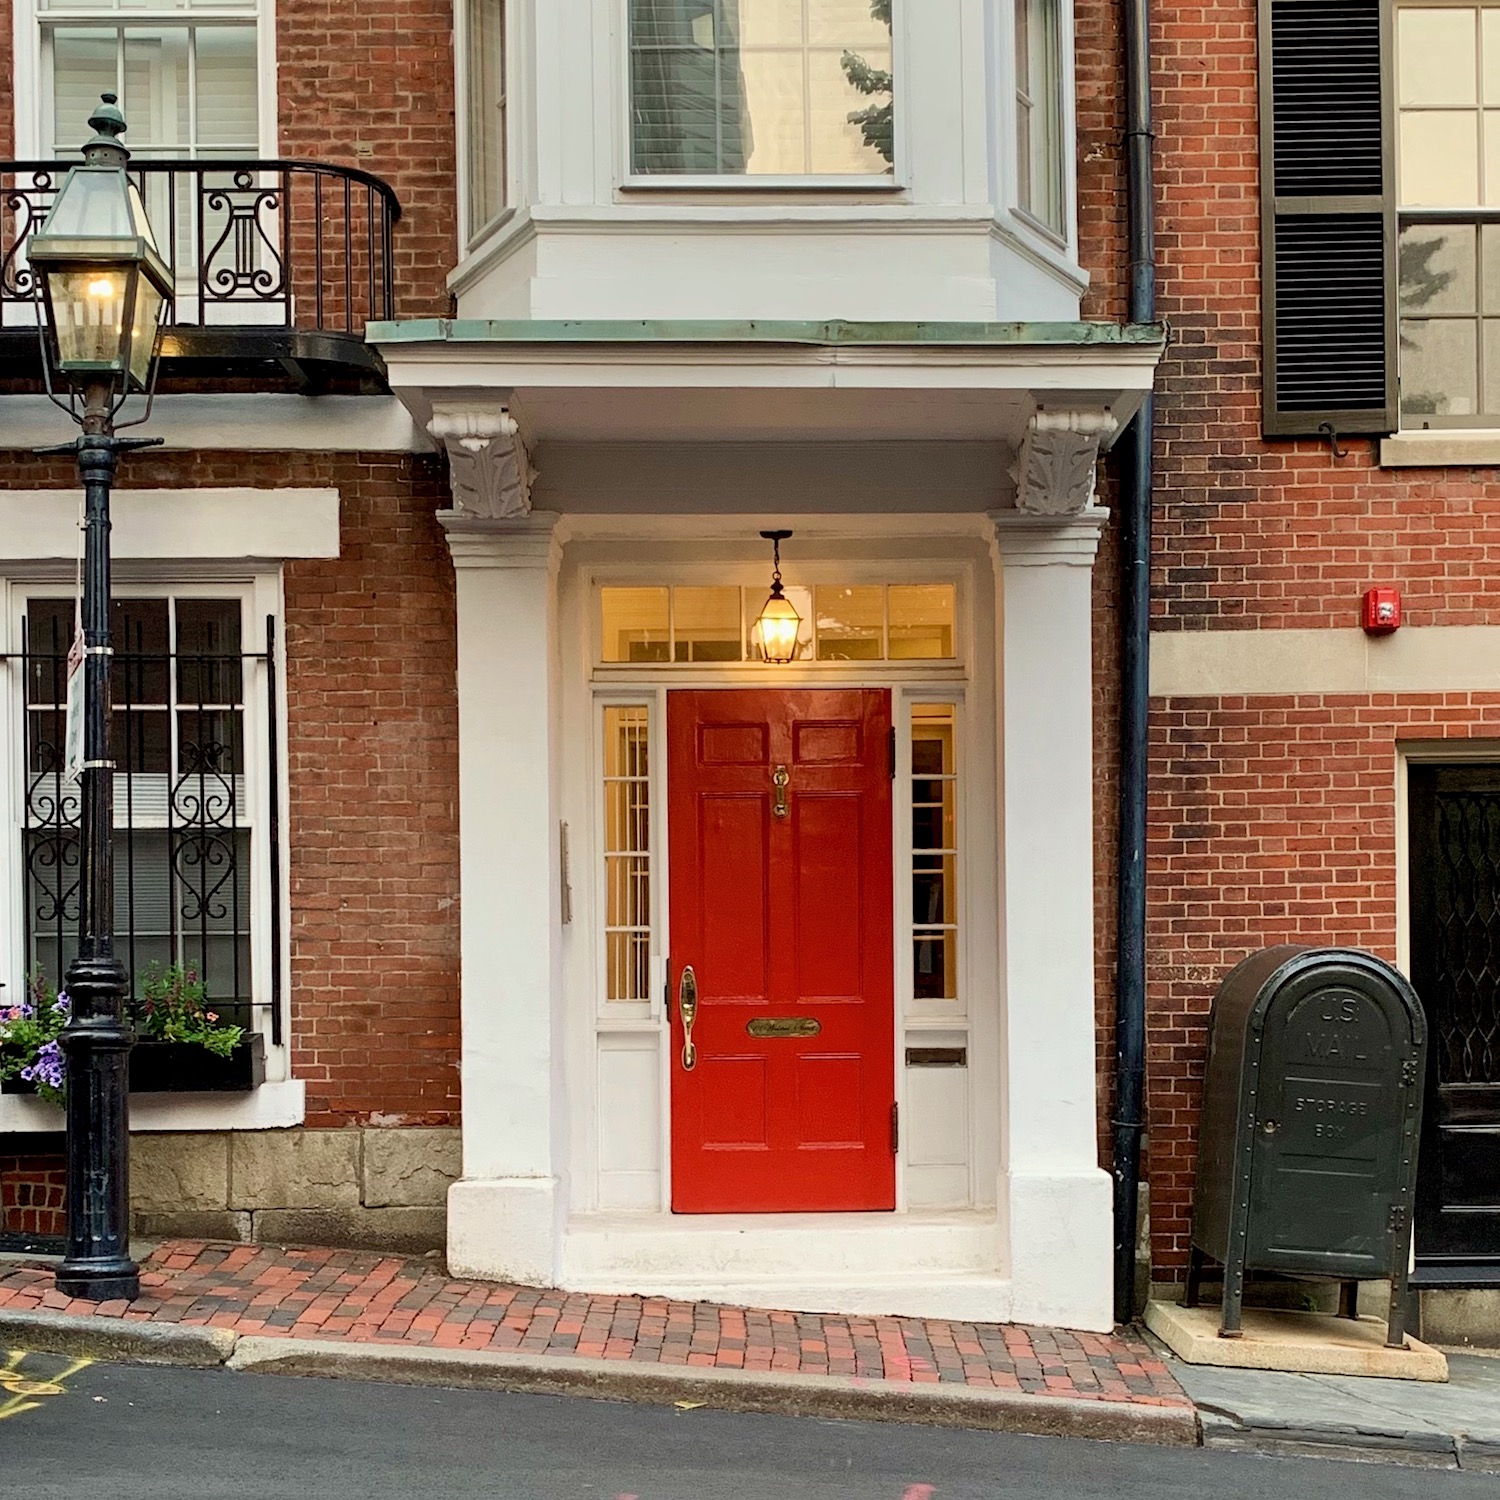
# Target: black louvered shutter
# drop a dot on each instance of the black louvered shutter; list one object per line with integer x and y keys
{"x": 1328, "y": 230}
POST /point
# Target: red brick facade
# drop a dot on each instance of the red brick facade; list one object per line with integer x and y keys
{"x": 371, "y": 807}
{"x": 32, "y": 1189}
{"x": 1271, "y": 819}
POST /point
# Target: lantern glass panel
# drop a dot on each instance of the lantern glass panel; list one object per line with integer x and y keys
{"x": 88, "y": 313}
{"x": 777, "y": 629}
{"x": 92, "y": 204}
{"x": 148, "y": 303}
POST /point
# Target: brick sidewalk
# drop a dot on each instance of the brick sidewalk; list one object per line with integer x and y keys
{"x": 344, "y": 1294}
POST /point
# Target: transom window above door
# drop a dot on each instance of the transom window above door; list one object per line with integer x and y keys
{"x": 862, "y": 622}
{"x": 762, "y": 88}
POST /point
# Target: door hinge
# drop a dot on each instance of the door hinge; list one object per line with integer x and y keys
{"x": 895, "y": 1128}
{"x": 892, "y": 743}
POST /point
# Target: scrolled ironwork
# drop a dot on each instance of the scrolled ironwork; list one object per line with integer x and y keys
{"x": 302, "y": 245}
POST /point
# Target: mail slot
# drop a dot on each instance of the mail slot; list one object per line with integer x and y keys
{"x": 1307, "y": 1144}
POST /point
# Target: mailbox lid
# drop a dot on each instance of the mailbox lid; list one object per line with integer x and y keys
{"x": 1336, "y": 1042}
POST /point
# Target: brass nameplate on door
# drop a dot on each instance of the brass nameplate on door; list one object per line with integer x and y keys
{"x": 784, "y": 1026}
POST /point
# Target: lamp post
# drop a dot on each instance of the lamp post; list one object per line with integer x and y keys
{"x": 104, "y": 289}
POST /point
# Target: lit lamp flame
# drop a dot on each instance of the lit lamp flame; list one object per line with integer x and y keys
{"x": 779, "y": 623}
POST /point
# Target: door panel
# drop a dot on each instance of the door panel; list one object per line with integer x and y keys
{"x": 781, "y": 904}
{"x": 1455, "y": 964}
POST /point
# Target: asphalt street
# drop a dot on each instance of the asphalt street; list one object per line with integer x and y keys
{"x": 70, "y": 1430}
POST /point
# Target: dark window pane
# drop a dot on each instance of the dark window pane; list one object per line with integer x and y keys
{"x": 141, "y": 639}
{"x": 140, "y": 741}
{"x": 208, "y": 651}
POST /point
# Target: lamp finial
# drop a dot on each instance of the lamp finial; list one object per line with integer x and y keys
{"x": 106, "y": 149}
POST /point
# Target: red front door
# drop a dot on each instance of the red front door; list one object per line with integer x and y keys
{"x": 779, "y": 813}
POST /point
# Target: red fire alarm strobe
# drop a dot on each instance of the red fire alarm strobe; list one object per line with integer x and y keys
{"x": 1380, "y": 611}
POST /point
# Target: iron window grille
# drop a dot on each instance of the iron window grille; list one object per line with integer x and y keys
{"x": 183, "y": 853}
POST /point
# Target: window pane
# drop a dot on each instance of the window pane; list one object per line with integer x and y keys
{"x": 1039, "y": 135}
{"x": 851, "y": 623}
{"x": 1439, "y": 158}
{"x": 209, "y": 665}
{"x": 140, "y": 633}
{"x": 1436, "y": 51}
{"x": 156, "y": 99}
{"x": 85, "y": 64}
{"x": 934, "y": 836}
{"x": 1437, "y": 268}
{"x": 228, "y": 108}
{"x": 775, "y": 110}
{"x": 635, "y": 624}
{"x": 1489, "y": 259}
{"x": 627, "y": 853}
{"x": 486, "y": 63}
{"x": 767, "y": 87}
{"x": 1490, "y": 396}
{"x": 1490, "y": 32}
{"x": 706, "y": 624}
{"x": 1439, "y": 367}
{"x": 921, "y": 621}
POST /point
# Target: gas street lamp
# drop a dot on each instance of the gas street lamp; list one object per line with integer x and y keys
{"x": 104, "y": 289}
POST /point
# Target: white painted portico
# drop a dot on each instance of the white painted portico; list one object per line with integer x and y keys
{"x": 625, "y": 457}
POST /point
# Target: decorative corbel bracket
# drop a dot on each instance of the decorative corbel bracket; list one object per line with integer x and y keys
{"x": 488, "y": 465}
{"x": 1058, "y": 462}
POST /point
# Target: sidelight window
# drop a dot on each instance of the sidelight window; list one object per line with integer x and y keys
{"x": 934, "y": 851}
{"x": 627, "y": 852}
{"x": 762, "y": 88}
{"x": 484, "y": 62}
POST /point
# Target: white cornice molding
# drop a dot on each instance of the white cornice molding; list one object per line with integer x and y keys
{"x": 1057, "y": 467}
{"x": 489, "y": 467}
{"x": 532, "y": 541}
{"x": 1023, "y": 540}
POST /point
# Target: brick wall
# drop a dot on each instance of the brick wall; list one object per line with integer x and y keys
{"x": 371, "y": 86}
{"x": 32, "y": 1189}
{"x": 377, "y": 75}
{"x": 1270, "y": 818}
{"x": 371, "y": 812}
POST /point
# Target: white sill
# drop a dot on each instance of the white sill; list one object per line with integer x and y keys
{"x": 695, "y": 182}
{"x": 273, "y": 1106}
{"x": 1440, "y": 447}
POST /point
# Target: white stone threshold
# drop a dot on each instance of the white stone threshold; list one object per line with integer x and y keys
{"x": 273, "y": 1106}
{"x": 907, "y": 1265}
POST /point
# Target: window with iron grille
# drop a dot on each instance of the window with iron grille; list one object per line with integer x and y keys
{"x": 195, "y": 824}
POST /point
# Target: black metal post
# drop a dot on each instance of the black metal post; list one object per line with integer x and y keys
{"x": 97, "y": 1038}
{"x": 1135, "y": 650}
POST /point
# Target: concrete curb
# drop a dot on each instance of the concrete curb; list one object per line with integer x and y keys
{"x": 139, "y": 1343}
{"x": 618, "y": 1380}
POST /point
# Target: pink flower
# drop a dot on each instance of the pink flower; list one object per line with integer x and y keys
{"x": 212, "y": 1016}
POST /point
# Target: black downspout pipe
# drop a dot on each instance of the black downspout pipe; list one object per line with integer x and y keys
{"x": 1135, "y": 644}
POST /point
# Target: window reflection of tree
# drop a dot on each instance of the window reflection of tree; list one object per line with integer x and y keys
{"x": 877, "y": 122}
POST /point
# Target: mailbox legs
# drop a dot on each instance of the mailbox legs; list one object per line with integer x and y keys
{"x": 1395, "y": 1328}
{"x": 1349, "y": 1300}
{"x": 1191, "y": 1292}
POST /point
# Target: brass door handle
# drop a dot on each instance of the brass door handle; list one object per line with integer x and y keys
{"x": 687, "y": 1004}
{"x": 780, "y": 779}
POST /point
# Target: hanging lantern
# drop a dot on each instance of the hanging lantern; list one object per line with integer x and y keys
{"x": 778, "y": 625}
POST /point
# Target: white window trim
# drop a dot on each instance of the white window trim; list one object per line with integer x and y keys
{"x": 883, "y": 185}
{"x": 472, "y": 237}
{"x": 31, "y": 83}
{"x": 280, "y": 1101}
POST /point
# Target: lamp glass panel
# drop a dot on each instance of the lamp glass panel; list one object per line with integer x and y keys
{"x": 148, "y": 303}
{"x": 88, "y": 309}
{"x": 91, "y": 204}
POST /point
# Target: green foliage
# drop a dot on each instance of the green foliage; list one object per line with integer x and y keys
{"x": 174, "y": 1008}
{"x": 877, "y": 122}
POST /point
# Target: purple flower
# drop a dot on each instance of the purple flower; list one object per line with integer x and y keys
{"x": 48, "y": 1067}
{"x": 60, "y": 1005}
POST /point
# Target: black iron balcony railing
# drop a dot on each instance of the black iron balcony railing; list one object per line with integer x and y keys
{"x": 280, "y": 261}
